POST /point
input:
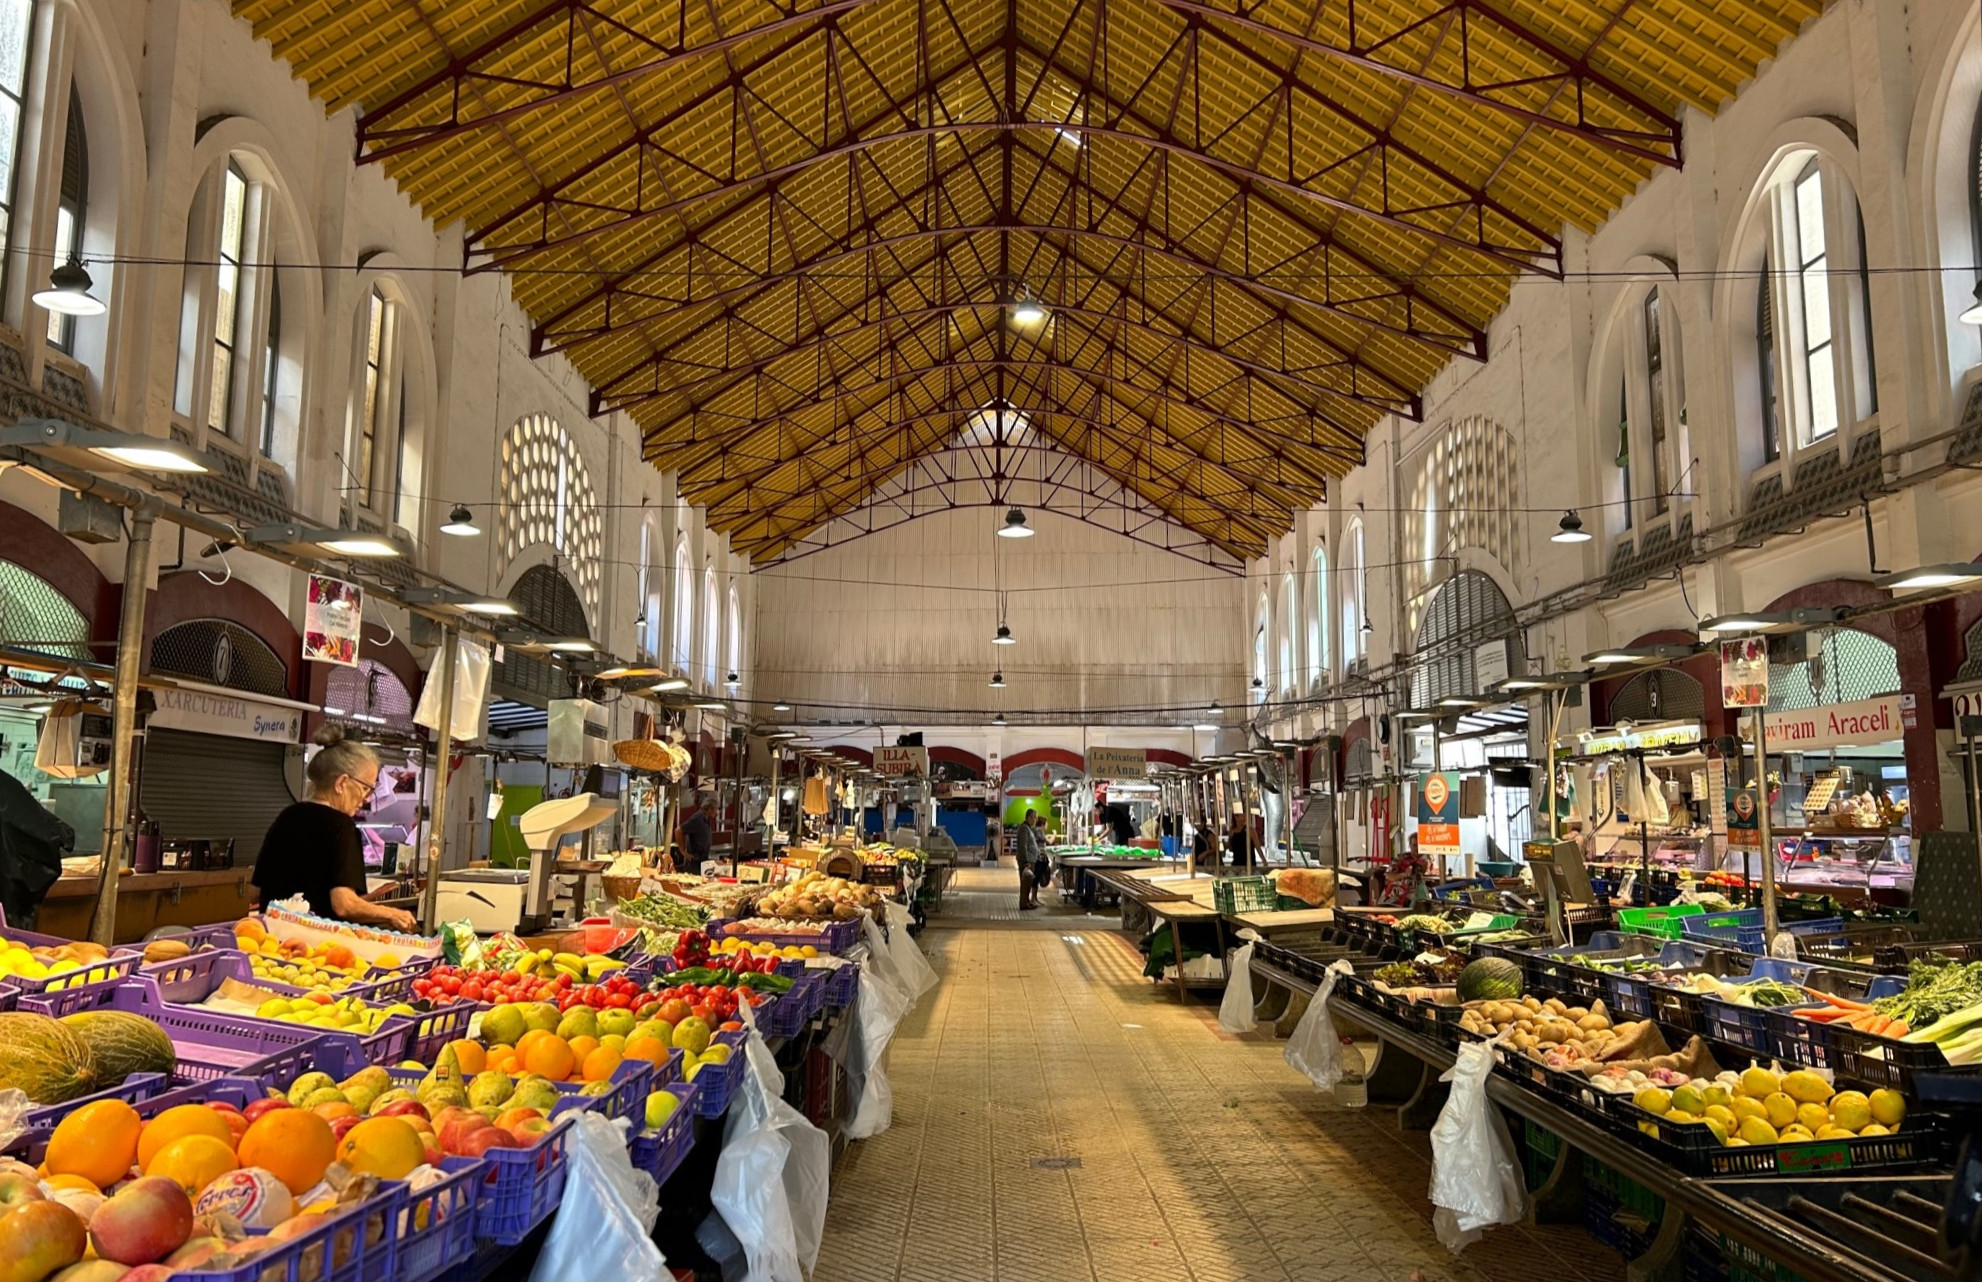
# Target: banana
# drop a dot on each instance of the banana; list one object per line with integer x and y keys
{"x": 562, "y": 960}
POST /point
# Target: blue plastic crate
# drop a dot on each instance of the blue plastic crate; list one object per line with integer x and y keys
{"x": 519, "y": 1187}
{"x": 660, "y": 1152}
{"x": 238, "y": 1091}
{"x": 626, "y": 1094}
{"x": 360, "y": 1245}
{"x": 135, "y": 1089}
{"x": 436, "y": 1230}
{"x": 719, "y": 1081}
{"x": 1741, "y": 927}
{"x": 842, "y": 985}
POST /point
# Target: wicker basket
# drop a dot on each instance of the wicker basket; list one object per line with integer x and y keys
{"x": 644, "y": 754}
{"x": 621, "y": 887}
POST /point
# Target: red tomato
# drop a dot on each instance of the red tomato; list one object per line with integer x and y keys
{"x": 472, "y": 990}
{"x": 619, "y": 1001}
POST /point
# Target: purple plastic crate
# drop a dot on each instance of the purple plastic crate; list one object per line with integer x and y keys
{"x": 211, "y": 1044}
{"x": 837, "y": 937}
{"x": 780, "y": 1014}
{"x": 192, "y": 979}
{"x": 8, "y": 996}
{"x": 660, "y": 1152}
{"x": 150, "y": 1099}
{"x": 519, "y": 1187}
{"x": 842, "y": 986}
{"x": 436, "y": 1229}
{"x": 122, "y": 961}
{"x": 219, "y": 935}
{"x": 624, "y": 1097}
{"x": 134, "y": 1090}
{"x": 718, "y": 1082}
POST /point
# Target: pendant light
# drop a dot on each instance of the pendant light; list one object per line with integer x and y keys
{"x": 781, "y": 707}
{"x": 1570, "y": 529}
{"x": 997, "y": 681}
{"x": 1004, "y": 636}
{"x": 1972, "y": 314}
{"x": 68, "y": 291}
{"x": 998, "y": 720}
{"x": 461, "y": 522}
{"x": 1015, "y": 526}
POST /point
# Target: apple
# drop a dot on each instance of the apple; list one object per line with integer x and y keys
{"x": 148, "y": 1220}
{"x": 15, "y": 1188}
{"x": 342, "y": 1126}
{"x": 433, "y": 1153}
{"x": 254, "y": 1111}
{"x": 454, "y": 1136}
{"x": 511, "y": 1117}
{"x": 485, "y": 1139}
{"x": 37, "y": 1238}
{"x": 149, "y": 1273}
{"x": 531, "y": 1130}
{"x": 331, "y": 1110}
{"x": 236, "y": 1120}
{"x": 93, "y": 1271}
{"x": 403, "y": 1108}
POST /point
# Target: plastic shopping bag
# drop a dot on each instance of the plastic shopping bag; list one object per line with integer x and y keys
{"x": 1235, "y": 1013}
{"x": 772, "y": 1178}
{"x": 471, "y": 693}
{"x": 912, "y": 969}
{"x": 1315, "y": 1049}
{"x": 1475, "y": 1182}
{"x": 881, "y": 1003}
{"x": 608, "y": 1237}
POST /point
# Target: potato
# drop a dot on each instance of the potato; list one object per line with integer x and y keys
{"x": 1593, "y": 1023}
{"x": 1577, "y": 1012}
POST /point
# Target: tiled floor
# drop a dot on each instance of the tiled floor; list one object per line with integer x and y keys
{"x": 1059, "y": 1118}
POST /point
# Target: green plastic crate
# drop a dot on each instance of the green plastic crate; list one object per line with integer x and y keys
{"x": 1540, "y": 1150}
{"x": 1244, "y": 895}
{"x": 1662, "y": 922}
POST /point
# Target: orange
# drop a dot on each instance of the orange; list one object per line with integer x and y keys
{"x": 499, "y": 1049}
{"x": 97, "y": 1142}
{"x": 551, "y": 1058}
{"x": 531, "y": 1038}
{"x": 599, "y": 1065}
{"x": 507, "y": 1062}
{"x": 177, "y": 1124}
{"x": 250, "y": 929}
{"x": 73, "y": 1183}
{"x": 383, "y": 1146}
{"x": 292, "y": 1144}
{"x": 192, "y": 1162}
{"x": 582, "y": 1046}
{"x": 651, "y": 1049}
{"x": 470, "y": 1055}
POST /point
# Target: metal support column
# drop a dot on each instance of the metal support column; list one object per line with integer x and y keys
{"x": 124, "y": 726}
{"x": 1763, "y": 821}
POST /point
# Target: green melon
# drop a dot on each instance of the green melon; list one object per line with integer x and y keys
{"x": 1490, "y": 979}
{"x": 47, "y": 1062}
{"x": 123, "y": 1044}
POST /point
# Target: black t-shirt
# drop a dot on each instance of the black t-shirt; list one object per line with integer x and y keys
{"x": 1117, "y": 816}
{"x": 310, "y": 849}
{"x": 696, "y": 833}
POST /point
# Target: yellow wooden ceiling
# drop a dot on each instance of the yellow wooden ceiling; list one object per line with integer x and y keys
{"x": 790, "y": 241}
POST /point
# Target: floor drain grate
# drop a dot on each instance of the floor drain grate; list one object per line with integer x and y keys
{"x": 1056, "y": 1163}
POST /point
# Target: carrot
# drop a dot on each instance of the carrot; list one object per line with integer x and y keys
{"x": 1842, "y": 1003}
{"x": 1898, "y": 1028}
{"x": 1826, "y": 1014}
{"x": 1879, "y": 1026}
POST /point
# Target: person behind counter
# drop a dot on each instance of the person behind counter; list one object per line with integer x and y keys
{"x": 314, "y": 849}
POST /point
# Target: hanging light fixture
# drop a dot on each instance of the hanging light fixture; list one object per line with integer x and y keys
{"x": 1570, "y": 529}
{"x": 461, "y": 523}
{"x": 781, "y": 707}
{"x": 68, "y": 291}
{"x": 1368, "y": 627}
{"x": 1004, "y": 636}
{"x": 1015, "y": 526}
{"x": 998, "y": 720}
{"x": 1972, "y": 314}
{"x": 997, "y": 681}
{"x": 732, "y": 680}
{"x": 1029, "y": 311}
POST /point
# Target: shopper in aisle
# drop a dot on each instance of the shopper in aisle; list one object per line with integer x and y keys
{"x": 1030, "y": 852}
{"x": 1118, "y": 822}
{"x": 33, "y": 840}
{"x": 694, "y": 836}
{"x": 1204, "y": 851}
{"x": 314, "y": 849}
{"x": 1238, "y": 843}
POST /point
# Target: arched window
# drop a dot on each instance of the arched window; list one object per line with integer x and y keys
{"x": 1656, "y": 428}
{"x": 231, "y": 378}
{"x": 735, "y": 627}
{"x": 1318, "y": 622}
{"x": 374, "y": 461}
{"x": 643, "y": 622}
{"x": 16, "y": 46}
{"x": 547, "y": 499}
{"x": 1355, "y": 605}
{"x": 71, "y": 213}
{"x": 1287, "y": 675}
{"x": 684, "y": 608}
{"x": 1813, "y": 330}
{"x": 712, "y": 627}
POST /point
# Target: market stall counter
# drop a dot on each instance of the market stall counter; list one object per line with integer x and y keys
{"x": 146, "y": 901}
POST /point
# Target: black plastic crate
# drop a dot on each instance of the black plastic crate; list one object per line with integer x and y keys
{"x": 1692, "y": 1148}
{"x": 1854, "y": 1055}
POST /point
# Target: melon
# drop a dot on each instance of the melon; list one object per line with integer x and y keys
{"x": 123, "y": 1044}
{"x": 1490, "y": 979}
{"x": 46, "y": 1061}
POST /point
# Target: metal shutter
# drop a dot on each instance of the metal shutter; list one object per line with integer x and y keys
{"x": 205, "y": 786}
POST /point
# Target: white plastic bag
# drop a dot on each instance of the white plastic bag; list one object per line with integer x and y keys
{"x": 608, "y": 1237}
{"x": 471, "y": 692}
{"x": 882, "y": 1001}
{"x": 1315, "y": 1049}
{"x": 912, "y": 969}
{"x": 772, "y": 1178}
{"x": 1235, "y": 1013}
{"x": 1475, "y": 1182}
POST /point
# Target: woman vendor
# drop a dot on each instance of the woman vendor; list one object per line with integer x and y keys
{"x": 313, "y": 848}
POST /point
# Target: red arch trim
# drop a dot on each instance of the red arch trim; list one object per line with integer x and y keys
{"x": 957, "y": 757}
{"x": 186, "y": 596}
{"x": 36, "y": 547}
{"x": 1052, "y": 756}
{"x": 1169, "y": 757}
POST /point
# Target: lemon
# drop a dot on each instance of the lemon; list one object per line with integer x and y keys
{"x": 1888, "y": 1107}
{"x": 1744, "y": 1108}
{"x": 1735, "y": 1141}
{"x": 1833, "y": 1133}
{"x": 1805, "y": 1087}
{"x": 1653, "y": 1099}
{"x": 1758, "y": 1082}
{"x": 1782, "y": 1109}
{"x": 1812, "y": 1117}
{"x": 1687, "y": 1099}
{"x": 1796, "y": 1135}
{"x": 1754, "y": 1130}
{"x": 1851, "y": 1110}
{"x": 1724, "y": 1116}
{"x": 1719, "y": 1130}
{"x": 1873, "y": 1129}
{"x": 1716, "y": 1094}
